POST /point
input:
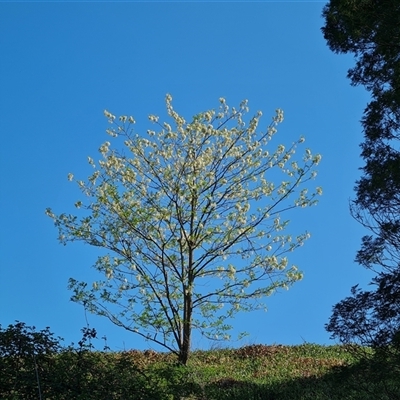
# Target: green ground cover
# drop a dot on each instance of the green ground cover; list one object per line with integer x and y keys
{"x": 307, "y": 371}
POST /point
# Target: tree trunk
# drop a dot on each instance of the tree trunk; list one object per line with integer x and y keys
{"x": 187, "y": 328}
{"x": 184, "y": 349}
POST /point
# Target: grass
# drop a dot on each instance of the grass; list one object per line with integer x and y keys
{"x": 256, "y": 372}
{"x": 306, "y": 371}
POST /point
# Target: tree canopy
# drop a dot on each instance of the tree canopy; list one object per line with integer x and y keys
{"x": 370, "y": 30}
{"x": 191, "y": 222}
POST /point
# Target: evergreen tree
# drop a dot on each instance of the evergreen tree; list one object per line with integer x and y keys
{"x": 370, "y": 29}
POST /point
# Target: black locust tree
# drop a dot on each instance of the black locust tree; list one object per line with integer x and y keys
{"x": 191, "y": 222}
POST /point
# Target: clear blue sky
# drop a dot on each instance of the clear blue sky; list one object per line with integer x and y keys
{"x": 62, "y": 64}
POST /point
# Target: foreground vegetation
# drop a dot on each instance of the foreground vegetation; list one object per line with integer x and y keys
{"x": 35, "y": 366}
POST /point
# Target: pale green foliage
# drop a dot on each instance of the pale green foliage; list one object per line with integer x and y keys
{"x": 189, "y": 211}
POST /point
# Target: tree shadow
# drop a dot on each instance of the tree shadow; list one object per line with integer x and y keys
{"x": 368, "y": 379}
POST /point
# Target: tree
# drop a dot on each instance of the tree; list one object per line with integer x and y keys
{"x": 370, "y": 318}
{"x": 368, "y": 323}
{"x": 370, "y": 29}
{"x": 26, "y": 360}
{"x": 183, "y": 213}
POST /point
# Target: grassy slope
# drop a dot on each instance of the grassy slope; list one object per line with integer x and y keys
{"x": 256, "y": 372}
{"x": 275, "y": 372}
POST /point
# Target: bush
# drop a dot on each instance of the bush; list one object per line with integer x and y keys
{"x": 26, "y": 361}
{"x": 35, "y": 366}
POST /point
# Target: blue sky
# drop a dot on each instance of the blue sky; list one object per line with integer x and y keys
{"x": 62, "y": 64}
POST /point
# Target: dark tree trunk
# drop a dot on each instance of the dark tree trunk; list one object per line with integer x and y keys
{"x": 187, "y": 329}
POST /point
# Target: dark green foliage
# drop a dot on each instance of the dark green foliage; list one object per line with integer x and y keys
{"x": 96, "y": 375}
{"x": 85, "y": 374}
{"x": 34, "y": 365}
{"x": 256, "y": 372}
{"x": 370, "y": 30}
{"x": 26, "y": 360}
{"x": 372, "y": 318}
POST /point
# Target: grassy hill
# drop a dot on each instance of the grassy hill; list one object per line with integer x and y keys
{"x": 259, "y": 372}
